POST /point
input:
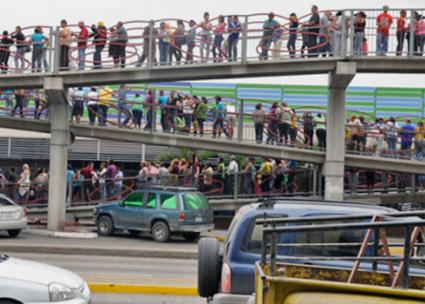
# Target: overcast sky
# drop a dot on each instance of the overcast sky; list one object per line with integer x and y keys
{"x": 49, "y": 12}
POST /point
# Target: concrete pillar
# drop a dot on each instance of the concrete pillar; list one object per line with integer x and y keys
{"x": 333, "y": 169}
{"x": 60, "y": 139}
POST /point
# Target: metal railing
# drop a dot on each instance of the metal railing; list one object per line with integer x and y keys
{"x": 365, "y": 235}
{"x": 173, "y": 42}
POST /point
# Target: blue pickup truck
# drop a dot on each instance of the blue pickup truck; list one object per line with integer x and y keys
{"x": 226, "y": 273}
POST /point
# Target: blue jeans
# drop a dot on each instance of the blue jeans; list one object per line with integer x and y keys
{"x": 265, "y": 46}
{"x": 259, "y": 126}
{"x": 218, "y": 39}
{"x": 291, "y": 45}
{"x": 419, "y": 153}
{"x": 326, "y": 48}
{"x": 123, "y": 111}
{"x": 164, "y": 52}
{"x": 381, "y": 44}
{"x": 232, "y": 45}
{"x": 20, "y": 59}
{"x": 358, "y": 43}
{"x": 103, "y": 191}
{"x": 81, "y": 58}
{"x": 37, "y": 59}
{"x": 219, "y": 123}
{"x": 97, "y": 57}
{"x": 392, "y": 142}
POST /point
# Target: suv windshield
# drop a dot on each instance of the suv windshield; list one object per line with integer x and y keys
{"x": 195, "y": 201}
{"x": 254, "y": 234}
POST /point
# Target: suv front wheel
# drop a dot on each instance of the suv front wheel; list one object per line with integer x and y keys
{"x": 160, "y": 232}
{"x": 105, "y": 227}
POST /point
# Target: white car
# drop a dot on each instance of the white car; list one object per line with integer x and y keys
{"x": 13, "y": 218}
{"x": 27, "y": 282}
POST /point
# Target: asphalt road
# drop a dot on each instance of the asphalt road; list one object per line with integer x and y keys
{"x": 127, "y": 270}
{"x": 122, "y": 270}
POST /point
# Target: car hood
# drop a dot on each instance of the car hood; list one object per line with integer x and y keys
{"x": 30, "y": 271}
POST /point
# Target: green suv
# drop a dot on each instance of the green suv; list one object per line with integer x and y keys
{"x": 161, "y": 211}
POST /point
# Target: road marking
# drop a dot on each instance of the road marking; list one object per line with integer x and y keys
{"x": 143, "y": 289}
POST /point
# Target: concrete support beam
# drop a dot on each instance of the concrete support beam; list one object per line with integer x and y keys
{"x": 333, "y": 168}
{"x": 60, "y": 139}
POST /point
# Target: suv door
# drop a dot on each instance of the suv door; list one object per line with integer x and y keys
{"x": 149, "y": 209}
{"x": 170, "y": 208}
{"x": 129, "y": 213}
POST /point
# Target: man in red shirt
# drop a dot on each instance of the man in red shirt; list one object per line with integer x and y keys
{"x": 384, "y": 21}
{"x": 82, "y": 38}
{"x": 87, "y": 173}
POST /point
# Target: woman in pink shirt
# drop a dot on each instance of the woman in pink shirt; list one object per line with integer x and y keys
{"x": 218, "y": 39}
{"x": 421, "y": 35}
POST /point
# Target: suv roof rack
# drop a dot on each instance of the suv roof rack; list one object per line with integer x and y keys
{"x": 266, "y": 203}
{"x": 169, "y": 188}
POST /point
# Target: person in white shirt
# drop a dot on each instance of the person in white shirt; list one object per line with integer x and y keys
{"x": 231, "y": 119}
{"x": 232, "y": 171}
{"x": 92, "y": 99}
{"x": 188, "y": 107}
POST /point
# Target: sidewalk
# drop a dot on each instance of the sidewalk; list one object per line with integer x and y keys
{"x": 118, "y": 245}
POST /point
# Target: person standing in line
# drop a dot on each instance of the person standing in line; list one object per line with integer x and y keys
{"x": 277, "y": 39}
{"x": 293, "y": 32}
{"x": 79, "y": 99}
{"x": 259, "y": 118}
{"x": 384, "y": 22}
{"x": 137, "y": 111}
{"x": 105, "y": 97}
{"x": 21, "y": 49}
{"x": 99, "y": 34}
{"x": 269, "y": 26}
{"x": 149, "y": 106}
{"x": 201, "y": 114}
{"x": 5, "y": 44}
{"x": 82, "y": 39}
{"x": 219, "y": 30}
{"x": 92, "y": 99}
{"x": 179, "y": 39}
{"x": 248, "y": 174}
{"x": 118, "y": 183}
{"x": 320, "y": 123}
{"x": 163, "y": 102}
{"x": 188, "y": 106}
{"x": 123, "y": 110}
{"x": 285, "y": 119}
{"x": 231, "y": 119}
{"x": 402, "y": 29}
{"x": 146, "y": 41}
{"x": 391, "y": 133}
{"x": 191, "y": 41}
{"x": 407, "y": 133}
{"x": 46, "y": 45}
{"x": 37, "y": 43}
{"x": 308, "y": 128}
{"x": 102, "y": 182}
{"x": 273, "y": 124}
{"x": 65, "y": 36}
{"x": 164, "y": 40}
{"x": 219, "y": 113}
{"x": 205, "y": 34}
{"x": 121, "y": 43}
{"x": 231, "y": 172}
{"x": 313, "y": 29}
{"x": 359, "y": 32}
{"x": 24, "y": 183}
{"x": 421, "y": 36}
{"x": 325, "y": 34}
{"x": 234, "y": 27}
{"x": 419, "y": 141}
{"x": 42, "y": 181}
{"x": 19, "y": 103}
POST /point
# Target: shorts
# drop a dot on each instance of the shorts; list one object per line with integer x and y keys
{"x": 232, "y": 121}
{"x": 78, "y": 108}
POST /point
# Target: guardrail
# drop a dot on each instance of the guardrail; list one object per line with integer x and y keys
{"x": 236, "y": 38}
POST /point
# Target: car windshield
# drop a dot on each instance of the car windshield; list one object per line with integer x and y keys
{"x": 4, "y": 202}
{"x": 195, "y": 201}
{"x": 253, "y": 239}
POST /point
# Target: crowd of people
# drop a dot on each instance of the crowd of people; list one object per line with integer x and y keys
{"x": 322, "y": 34}
{"x": 272, "y": 123}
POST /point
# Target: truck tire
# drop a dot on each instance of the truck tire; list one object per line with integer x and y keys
{"x": 209, "y": 267}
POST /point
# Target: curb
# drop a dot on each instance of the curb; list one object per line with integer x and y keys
{"x": 99, "y": 251}
{"x": 62, "y": 234}
{"x": 143, "y": 289}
